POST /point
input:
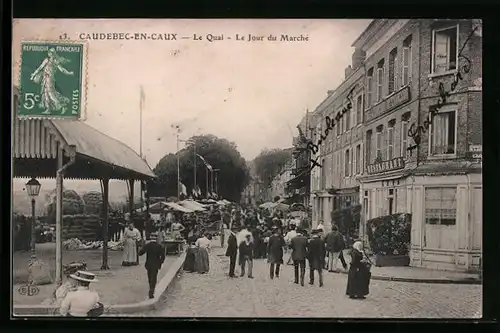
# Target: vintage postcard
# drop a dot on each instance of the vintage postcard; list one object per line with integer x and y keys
{"x": 247, "y": 168}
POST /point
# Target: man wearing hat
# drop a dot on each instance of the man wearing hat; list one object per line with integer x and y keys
{"x": 78, "y": 303}
{"x": 275, "y": 252}
{"x": 299, "y": 254}
{"x": 288, "y": 238}
{"x": 232, "y": 251}
{"x": 155, "y": 256}
{"x": 316, "y": 256}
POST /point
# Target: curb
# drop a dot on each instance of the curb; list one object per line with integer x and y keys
{"x": 147, "y": 305}
{"x": 473, "y": 281}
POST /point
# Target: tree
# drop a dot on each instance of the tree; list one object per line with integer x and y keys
{"x": 72, "y": 203}
{"x": 269, "y": 163}
{"x": 232, "y": 177}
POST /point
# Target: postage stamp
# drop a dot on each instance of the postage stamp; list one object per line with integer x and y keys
{"x": 52, "y": 80}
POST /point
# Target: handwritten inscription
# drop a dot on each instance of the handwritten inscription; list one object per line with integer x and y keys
{"x": 415, "y": 131}
{"x": 330, "y": 123}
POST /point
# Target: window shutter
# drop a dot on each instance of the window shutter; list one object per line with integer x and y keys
{"x": 405, "y": 73}
{"x": 395, "y": 75}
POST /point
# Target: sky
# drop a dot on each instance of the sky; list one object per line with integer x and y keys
{"x": 252, "y": 93}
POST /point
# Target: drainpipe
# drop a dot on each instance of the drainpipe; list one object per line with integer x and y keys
{"x": 59, "y": 206}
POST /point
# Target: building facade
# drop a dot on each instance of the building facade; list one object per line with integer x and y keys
{"x": 340, "y": 151}
{"x": 422, "y": 135}
{"x": 279, "y": 186}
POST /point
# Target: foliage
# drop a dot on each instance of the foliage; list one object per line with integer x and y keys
{"x": 269, "y": 163}
{"x": 93, "y": 202}
{"x": 390, "y": 234}
{"x": 347, "y": 220}
{"x": 233, "y": 175}
{"x": 72, "y": 203}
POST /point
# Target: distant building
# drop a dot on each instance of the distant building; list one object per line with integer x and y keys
{"x": 254, "y": 192}
{"x": 279, "y": 185}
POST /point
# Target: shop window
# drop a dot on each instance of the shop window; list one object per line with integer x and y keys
{"x": 380, "y": 80}
{"x": 443, "y": 133}
{"x": 368, "y": 147}
{"x": 390, "y": 201}
{"x": 393, "y": 70}
{"x": 444, "y": 49}
{"x": 441, "y": 206}
{"x": 369, "y": 83}
{"x": 406, "y": 70}
{"x": 390, "y": 139}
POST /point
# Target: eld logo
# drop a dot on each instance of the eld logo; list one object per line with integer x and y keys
{"x": 28, "y": 290}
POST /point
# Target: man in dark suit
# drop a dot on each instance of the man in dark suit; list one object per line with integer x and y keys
{"x": 155, "y": 256}
{"x": 299, "y": 254}
{"x": 232, "y": 251}
{"x": 316, "y": 256}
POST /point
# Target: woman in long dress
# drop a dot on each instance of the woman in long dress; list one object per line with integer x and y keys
{"x": 202, "y": 264}
{"x": 130, "y": 238}
{"x": 51, "y": 98}
{"x": 358, "y": 279}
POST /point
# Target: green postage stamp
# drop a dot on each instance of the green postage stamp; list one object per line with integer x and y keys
{"x": 53, "y": 80}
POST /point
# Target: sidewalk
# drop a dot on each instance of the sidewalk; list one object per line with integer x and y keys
{"x": 419, "y": 275}
{"x": 118, "y": 288}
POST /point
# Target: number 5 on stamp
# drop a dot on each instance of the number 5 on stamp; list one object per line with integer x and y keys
{"x": 52, "y": 80}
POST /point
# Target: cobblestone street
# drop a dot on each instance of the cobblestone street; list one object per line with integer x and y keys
{"x": 216, "y": 295}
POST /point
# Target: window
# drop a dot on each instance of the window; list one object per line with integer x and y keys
{"x": 406, "y": 70}
{"x": 442, "y": 133}
{"x": 404, "y": 137}
{"x": 338, "y": 164}
{"x": 357, "y": 159}
{"x": 359, "y": 109}
{"x": 369, "y": 84}
{"x": 339, "y": 125}
{"x": 378, "y": 147}
{"x": 347, "y": 117}
{"x": 368, "y": 147}
{"x": 347, "y": 162}
{"x": 380, "y": 80}
{"x": 390, "y": 140}
{"x": 390, "y": 201}
{"x": 444, "y": 57}
{"x": 441, "y": 206}
{"x": 393, "y": 72}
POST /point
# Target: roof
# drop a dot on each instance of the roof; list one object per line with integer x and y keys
{"x": 36, "y": 141}
{"x": 93, "y": 143}
{"x": 178, "y": 207}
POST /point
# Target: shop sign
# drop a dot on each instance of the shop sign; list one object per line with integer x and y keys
{"x": 384, "y": 166}
{"x": 476, "y": 151}
{"x": 399, "y": 98}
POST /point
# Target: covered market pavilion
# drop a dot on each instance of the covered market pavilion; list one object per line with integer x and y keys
{"x": 48, "y": 148}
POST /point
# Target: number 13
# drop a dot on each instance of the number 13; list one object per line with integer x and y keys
{"x": 29, "y": 100}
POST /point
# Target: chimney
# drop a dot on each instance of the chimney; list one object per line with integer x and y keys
{"x": 358, "y": 58}
{"x": 348, "y": 71}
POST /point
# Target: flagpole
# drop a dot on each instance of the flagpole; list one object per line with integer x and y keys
{"x": 194, "y": 145}
{"x": 178, "y": 169}
{"x": 141, "y": 102}
{"x": 207, "y": 184}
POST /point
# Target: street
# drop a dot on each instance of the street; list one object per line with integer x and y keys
{"x": 215, "y": 295}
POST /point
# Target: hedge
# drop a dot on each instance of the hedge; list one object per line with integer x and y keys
{"x": 390, "y": 234}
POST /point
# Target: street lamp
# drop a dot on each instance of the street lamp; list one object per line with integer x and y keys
{"x": 33, "y": 189}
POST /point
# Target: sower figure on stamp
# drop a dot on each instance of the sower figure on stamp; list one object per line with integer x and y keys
{"x": 155, "y": 256}
{"x": 299, "y": 254}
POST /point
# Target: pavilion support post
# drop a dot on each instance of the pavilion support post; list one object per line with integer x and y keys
{"x": 105, "y": 223}
{"x": 59, "y": 217}
{"x": 131, "y": 198}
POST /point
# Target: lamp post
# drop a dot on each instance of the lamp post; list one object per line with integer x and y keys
{"x": 33, "y": 189}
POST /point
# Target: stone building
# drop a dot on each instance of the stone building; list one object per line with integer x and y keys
{"x": 422, "y": 135}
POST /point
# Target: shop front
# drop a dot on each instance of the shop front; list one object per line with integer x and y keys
{"x": 447, "y": 217}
